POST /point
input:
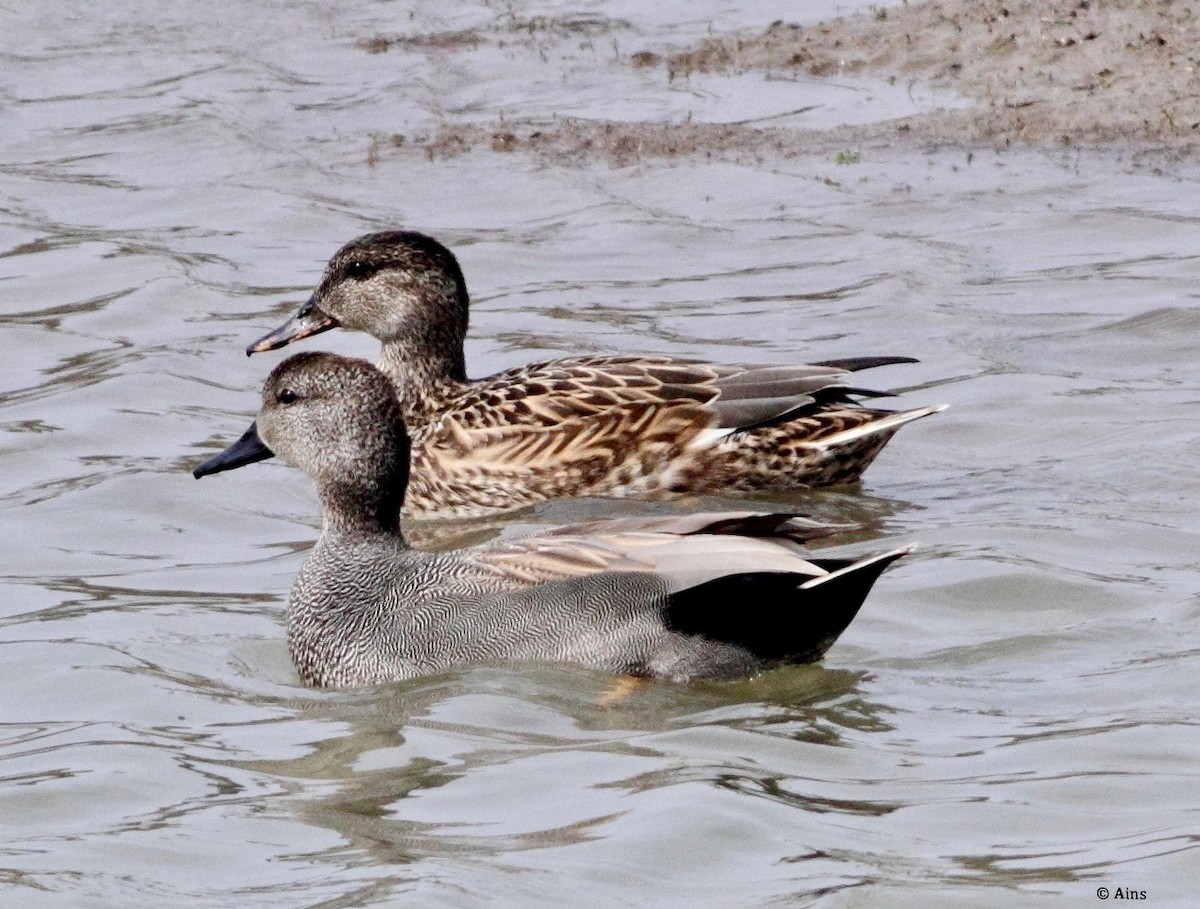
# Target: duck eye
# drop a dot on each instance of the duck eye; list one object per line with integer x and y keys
{"x": 357, "y": 269}
{"x": 287, "y": 396}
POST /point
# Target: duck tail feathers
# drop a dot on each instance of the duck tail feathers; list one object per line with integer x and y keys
{"x": 887, "y": 423}
{"x": 854, "y": 364}
{"x": 780, "y": 617}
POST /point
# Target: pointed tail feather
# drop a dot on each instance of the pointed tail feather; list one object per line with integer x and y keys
{"x": 854, "y": 364}
{"x": 887, "y": 423}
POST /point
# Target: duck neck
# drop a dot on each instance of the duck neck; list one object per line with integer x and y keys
{"x": 348, "y": 508}
{"x": 425, "y": 372}
{"x": 367, "y": 497}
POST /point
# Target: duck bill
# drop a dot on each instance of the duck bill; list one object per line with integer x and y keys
{"x": 246, "y": 450}
{"x": 310, "y": 320}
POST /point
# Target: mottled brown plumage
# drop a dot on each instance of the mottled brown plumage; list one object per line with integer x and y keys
{"x": 603, "y": 426}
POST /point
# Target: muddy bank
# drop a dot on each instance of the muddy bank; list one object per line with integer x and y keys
{"x": 1062, "y": 71}
{"x": 620, "y": 143}
{"x": 1058, "y": 73}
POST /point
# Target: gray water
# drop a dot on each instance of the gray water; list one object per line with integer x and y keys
{"x": 1011, "y": 719}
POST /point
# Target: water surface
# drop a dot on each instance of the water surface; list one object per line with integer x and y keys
{"x": 1009, "y": 722}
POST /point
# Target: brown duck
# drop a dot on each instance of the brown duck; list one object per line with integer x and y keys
{"x": 615, "y": 426}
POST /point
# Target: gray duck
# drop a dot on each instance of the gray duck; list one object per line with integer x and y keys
{"x": 699, "y": 596}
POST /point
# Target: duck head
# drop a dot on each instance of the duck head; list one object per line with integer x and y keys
{"x": 338, "y": 420}
{"x": 402, "y": 287}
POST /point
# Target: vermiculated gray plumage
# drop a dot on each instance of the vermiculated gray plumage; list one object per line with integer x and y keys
{"x": 618, "y": 426}
{"x": 364, "y": 612}
{"x": 712, "y": 596}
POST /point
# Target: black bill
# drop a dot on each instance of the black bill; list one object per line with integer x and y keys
{"x": 246, "y": 450}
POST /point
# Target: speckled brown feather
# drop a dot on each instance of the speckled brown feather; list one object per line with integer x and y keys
{"x": 601, "y": 426}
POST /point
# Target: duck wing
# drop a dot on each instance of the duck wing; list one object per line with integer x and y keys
{"x": 547, "y": 393}
{"x": 674, "y": 606}
{"x": 685, "y": 550}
